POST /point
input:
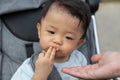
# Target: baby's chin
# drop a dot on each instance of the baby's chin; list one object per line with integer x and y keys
{"x": 59, "y": 54}
{"x": 61, "y": 58}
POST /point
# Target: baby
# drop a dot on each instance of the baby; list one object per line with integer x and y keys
{"x": 61, "y": 30}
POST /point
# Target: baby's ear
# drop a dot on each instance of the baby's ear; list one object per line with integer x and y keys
{"x": 39, "y": 29}
{"x": 38, "y": 26}
{"x": 80, "y": 43}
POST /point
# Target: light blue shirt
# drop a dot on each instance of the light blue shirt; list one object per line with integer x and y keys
{"x": 25, "y": 71}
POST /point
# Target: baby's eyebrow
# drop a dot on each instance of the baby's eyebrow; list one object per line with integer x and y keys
{"x": 73, "y": 33}
{"x": 50, "y": 26}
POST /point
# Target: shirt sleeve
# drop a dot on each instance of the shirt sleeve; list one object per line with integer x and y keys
{"x": 81, "y": 58}
{"x": 24, "y": 72}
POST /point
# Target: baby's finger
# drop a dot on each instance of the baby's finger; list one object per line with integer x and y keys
{"x": 42, "y": 54}
{"x": 48, "y": 53}
{"x": 53, "y": 54}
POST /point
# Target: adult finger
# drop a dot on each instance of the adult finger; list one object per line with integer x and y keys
{"x": 96, "y": 58}
{"x": 74, "y": 71}
{"x": 84, "y": 72}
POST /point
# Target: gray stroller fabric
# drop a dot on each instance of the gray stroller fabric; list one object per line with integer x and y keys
{"x": 1, "y": 55}
{"x": 89, "y": 48}
{"x": 13, "y": 53}
{"x": 9, "y": 6}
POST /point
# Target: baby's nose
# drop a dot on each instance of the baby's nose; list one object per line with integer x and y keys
{"x": 57, "y": 42}
{"x": 54, "y": 45}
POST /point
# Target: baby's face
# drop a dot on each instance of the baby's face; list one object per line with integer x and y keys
{"x": 60, "y": 30}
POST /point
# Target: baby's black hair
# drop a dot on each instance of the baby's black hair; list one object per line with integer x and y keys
{"x": 76, "y": 8}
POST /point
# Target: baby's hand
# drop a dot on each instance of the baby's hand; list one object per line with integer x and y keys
{"x": 44, "y": 63}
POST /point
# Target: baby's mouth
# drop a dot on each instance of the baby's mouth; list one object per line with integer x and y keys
{"x": 57, "y": 49}
{"x": 55, "y": 46}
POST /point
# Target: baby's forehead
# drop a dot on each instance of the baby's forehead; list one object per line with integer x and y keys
{"x": 56, "y": 8}
{"x": 59, "y": 8}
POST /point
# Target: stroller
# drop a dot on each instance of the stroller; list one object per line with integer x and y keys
{"x": 18, "y": 20}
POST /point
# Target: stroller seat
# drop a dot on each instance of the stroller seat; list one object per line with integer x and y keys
{"x": 18, "y": 36}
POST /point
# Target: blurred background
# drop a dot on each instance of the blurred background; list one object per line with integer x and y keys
{"x": 108, "y": 25}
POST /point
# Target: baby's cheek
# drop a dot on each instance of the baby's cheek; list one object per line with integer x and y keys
{"x": 67, "y": 50}
{"x": 43, "y": 45}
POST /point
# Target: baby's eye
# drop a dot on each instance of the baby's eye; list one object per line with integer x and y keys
{"x": 69, "y": 38}
{"x": 51, "y": 32}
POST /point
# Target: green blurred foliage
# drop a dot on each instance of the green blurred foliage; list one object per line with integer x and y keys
{"x": 110, "y": 0}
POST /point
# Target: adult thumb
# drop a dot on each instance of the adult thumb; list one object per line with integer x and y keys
{"x": 96, "y": 57}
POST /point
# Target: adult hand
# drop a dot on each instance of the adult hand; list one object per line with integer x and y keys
{"x": 107, "y": 66}
{"x": 44, "y": 64}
